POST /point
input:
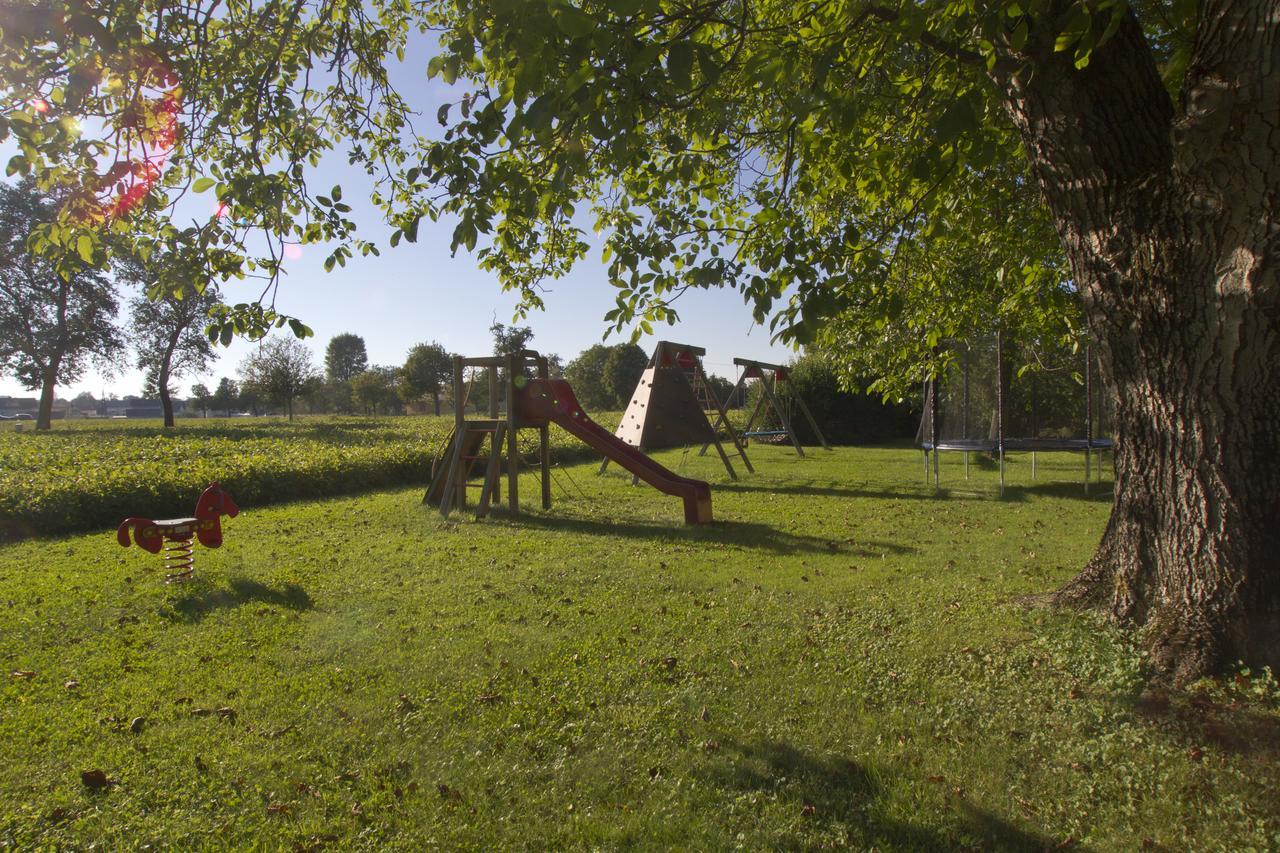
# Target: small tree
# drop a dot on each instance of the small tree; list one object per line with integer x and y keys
{"x": 375, "y": 390}
{"x": 427, "y": 369}
{"x": 586, "y": 374}
{"x": 623, "y": 368}
{"x": 345, "y": 357}
{"x": 169, "y": 336}
{"x": 201, "y": 397}
{"x": 51, "y": 323}
{"x": 509, "y": 339}
{"x": 226, "y": 396}
{"x": 280, "y": 367}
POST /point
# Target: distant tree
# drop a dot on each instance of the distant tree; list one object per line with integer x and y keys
{"x": 555, "y": 365}
{"x": 723, "y": 389}
{"x": 345, "y": 357}
{"x": 280, "y": 367}
{"x": 508, "y": 339}
{"x": 201, "y": 397}
{"x": 426, "y": 371}
{"x": 337, "y": 394}
{"x": 374, "y": 391}
{"x": 315, "y": 395}
{"x": 84, "y": 402}
{"x": 586, "y": 374}
{"x": 846, "y": 417}
{"x": 623, "y": 368}
{"x": 226, "y": 396}
{"x": 251, "y": 397}
{"x": 51, "y": 321}
{"x": 168, "y": 335}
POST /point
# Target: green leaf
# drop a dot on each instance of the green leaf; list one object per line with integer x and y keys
{"x": 84, "y": 248}
{"x": 574, "y": 22}
{"x": 203, "y": 184}
{"x": 680, "y": 65}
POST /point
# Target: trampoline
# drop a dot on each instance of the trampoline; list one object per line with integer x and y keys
{"x": 979, "y": 403}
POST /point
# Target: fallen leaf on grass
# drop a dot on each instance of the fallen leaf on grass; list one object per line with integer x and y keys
{"x": 278, "y": 808}
{"x": 489, "y": 698}
{"x": 95, "y": 779}
{"x": 137, "y": 724}
{"x": 23, "y": 674}
{"x": 808, "y": 809}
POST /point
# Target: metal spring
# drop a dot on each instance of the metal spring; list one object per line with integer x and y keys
{"x": 179, "y": 560}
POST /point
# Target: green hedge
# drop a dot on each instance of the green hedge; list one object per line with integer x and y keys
{"x": 86, "y": 475}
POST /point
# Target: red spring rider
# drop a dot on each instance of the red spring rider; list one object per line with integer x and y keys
{"x": 174, "y": 535}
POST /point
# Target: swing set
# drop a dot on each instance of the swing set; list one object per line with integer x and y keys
{"x": 774, "y": 408}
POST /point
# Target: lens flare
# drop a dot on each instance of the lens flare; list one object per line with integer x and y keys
{"x": 40, "y": 105}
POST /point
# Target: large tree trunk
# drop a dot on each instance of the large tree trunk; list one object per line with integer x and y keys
{"x": 1171, "y": 222}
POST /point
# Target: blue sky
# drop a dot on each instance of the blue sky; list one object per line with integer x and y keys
{"x": 418, "y": 292}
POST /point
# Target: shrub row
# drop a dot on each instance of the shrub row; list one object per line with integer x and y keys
{"x": 82, "y": 476}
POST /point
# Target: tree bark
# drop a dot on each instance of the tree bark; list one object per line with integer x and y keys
{"x": 48, "y": 384}
{"x": 1171, "y": 222}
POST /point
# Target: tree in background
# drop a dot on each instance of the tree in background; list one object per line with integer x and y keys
{"x": 344, "y": 357}
{"x": 280, "y": 368}
{"x": 169, "y": 339}
{"x": 374, "y": 390}
{"x": 623, "y": 367}
{"x": 509, "y": 339}
{"x": 202, "y": 398}
{"x": 226, "y": 396}
{"x": 845, "y": 417}
{"x": 84, "y": 403}
{"x": 52, "y": 320}
{"x": 427, "y": 369}
{"x": 586, "y": 374}
{"x": 604, "y": 377}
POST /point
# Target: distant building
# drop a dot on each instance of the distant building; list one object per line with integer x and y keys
{"x": 142, "y": 407}
{"x": 30, "y": 406}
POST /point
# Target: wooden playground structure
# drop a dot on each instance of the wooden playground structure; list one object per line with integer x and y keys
{"x": 533, "y": 400}
{"x": 671, "y": 404}
{"x": 775, "y": 387}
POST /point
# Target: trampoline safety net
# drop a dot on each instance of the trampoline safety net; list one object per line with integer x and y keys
{"x": 983, "y": 401}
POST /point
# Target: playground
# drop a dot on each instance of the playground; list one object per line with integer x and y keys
{"x": 842, "y": 657}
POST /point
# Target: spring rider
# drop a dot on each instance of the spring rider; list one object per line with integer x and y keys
{"x": 174, "y": 535}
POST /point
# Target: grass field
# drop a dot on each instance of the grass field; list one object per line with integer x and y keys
{"x": 841, "y": 659}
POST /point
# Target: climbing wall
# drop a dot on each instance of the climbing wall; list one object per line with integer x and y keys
{"x": 664, "y": 412}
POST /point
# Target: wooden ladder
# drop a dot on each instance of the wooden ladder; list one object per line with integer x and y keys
{"x": 465, "y": 453}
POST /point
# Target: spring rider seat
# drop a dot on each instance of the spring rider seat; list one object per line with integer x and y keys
{"x": 174, "y": 535}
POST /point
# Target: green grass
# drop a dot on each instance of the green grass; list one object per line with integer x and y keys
{"x": 839, "y": 660}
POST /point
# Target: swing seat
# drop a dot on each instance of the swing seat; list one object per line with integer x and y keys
{"x": 764, "y": 432}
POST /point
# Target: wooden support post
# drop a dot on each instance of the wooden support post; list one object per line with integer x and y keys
{"x": 544, "y": 443}
{"x": 492, "y": 472}
{"x": 723, "y": 418}
{"x": 809, "y": 417}
{"x": 513, "y": 447}
{"x": 458, "y": 476}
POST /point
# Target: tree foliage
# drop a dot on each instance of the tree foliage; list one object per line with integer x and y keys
{"x": 168, "y": 336}
{"x": 345, "y": 357}
{"x": 427, "y": 369}
{"x": 280, "y": 368}
{"x": 53, "y": 319}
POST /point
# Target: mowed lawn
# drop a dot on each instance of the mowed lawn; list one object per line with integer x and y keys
{"x": 843, "y": 658}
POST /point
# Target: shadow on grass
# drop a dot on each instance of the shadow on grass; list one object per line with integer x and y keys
{"x": 839, "y": 793}
{"x": 1231, "y": 727}
{"x": 826, "y": 491}
{"x": 196, "y": 606}
{"x": 743, "y": 533}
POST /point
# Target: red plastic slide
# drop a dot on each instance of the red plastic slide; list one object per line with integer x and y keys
{"x": 553, "y": 400}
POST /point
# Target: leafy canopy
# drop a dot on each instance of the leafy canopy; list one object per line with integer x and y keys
{"x": 847, "y": 166}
